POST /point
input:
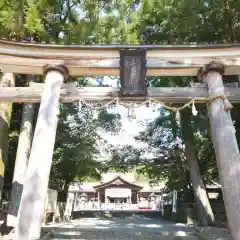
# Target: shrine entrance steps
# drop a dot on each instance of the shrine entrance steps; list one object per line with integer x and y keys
{"x": 132, "y": 228}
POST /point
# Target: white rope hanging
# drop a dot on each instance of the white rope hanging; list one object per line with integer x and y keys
{"x": 132, "y": 106}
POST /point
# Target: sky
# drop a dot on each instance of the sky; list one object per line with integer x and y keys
{"x": 106, "y": 81}
{"x": 131, "y": 127}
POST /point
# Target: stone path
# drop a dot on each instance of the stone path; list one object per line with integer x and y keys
{"x": 211, "y": 233}
{"x": 134, "y": 228}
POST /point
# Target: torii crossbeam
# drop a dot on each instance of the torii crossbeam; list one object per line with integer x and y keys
{"x": 103, "y": 60}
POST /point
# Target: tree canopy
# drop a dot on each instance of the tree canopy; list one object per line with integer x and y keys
{"x": 145, "y": 22}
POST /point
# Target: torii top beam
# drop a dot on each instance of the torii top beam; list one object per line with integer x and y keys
{"x": 103, "y": 60}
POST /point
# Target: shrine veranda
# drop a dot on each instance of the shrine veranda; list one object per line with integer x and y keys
{"x": 132, "y": 63}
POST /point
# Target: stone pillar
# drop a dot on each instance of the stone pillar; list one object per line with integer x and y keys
{"x": 225, "y": 144}
{"x": 105, "y": 196}
{"x": 31, "y": 209}
{"x": 75, "y": 202}
{"x": 98, "y": 193}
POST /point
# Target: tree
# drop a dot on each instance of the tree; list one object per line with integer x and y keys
{"x": 205, "y": 213}
{"x": 77, "y": 149}
{"x": 189, "y": 21}
{"x": 7, "y": 80}
{"x": 124, "y": 158}
{"x": 184, "y": 161}
{"x": 75, "y": 146}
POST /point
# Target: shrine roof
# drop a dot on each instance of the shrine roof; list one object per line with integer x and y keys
{"x": 118, "y": 180}
{"x": 144, "y": 187}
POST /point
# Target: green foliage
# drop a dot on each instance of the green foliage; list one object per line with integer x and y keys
{"x": 125, "y": 21}
{"x": 124, "y": 158}
{"x": 109, "y": 121}
{"x": 173, "y": 21}
{"x": 76, "y": 148}
{"x": 75, "y": 145}
{"x": 160, "y": 135}
{"x": 33, "y": 24}
{"x": 165, "y": 135}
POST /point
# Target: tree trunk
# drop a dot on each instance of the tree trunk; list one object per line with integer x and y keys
{"x": 7, "y": 80}
{"x": 23, "y": 151}
{"x": 205, "y": 213}
{"x": 65, "y": 187}
{"x": 69, "y": 206}
{"x": 183, "y": 171}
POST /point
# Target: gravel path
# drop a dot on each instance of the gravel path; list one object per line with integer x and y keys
{"x": 211, "y": 233}
{"x": 134, "y": 228}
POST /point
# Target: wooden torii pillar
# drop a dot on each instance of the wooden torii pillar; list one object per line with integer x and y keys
{"x": 31, "y": 208}
{"x": 225, "y": 144}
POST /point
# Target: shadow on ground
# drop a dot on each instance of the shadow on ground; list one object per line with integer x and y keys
{"x": 127, "y": 228}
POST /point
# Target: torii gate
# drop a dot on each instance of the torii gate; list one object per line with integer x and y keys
{"x": 209, "y": 62}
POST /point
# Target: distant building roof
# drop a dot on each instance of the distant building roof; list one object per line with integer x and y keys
{"x": 91, "y": 187}
{"x": 118, "y": 180}
{"x": 106, "y": 177}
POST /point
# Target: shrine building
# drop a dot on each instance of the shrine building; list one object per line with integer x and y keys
{"x": 116, "y": 190}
